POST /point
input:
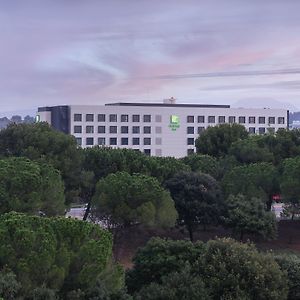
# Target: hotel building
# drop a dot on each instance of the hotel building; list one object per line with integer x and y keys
{"x": 159, "y": 129}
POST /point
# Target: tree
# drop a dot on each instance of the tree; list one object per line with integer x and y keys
{"x": 221, "y": 269}
{"x": 204, "y": 164}
{"x": 54, "y": 254}
{"x": 290, "y": 185}
{"x": 9, "y": 286}
{"x": 122, "y": 200}
{"x": 248, "y": 216}
{"x": 290, "y": 263}
{"x": 181, "y": 285}
{"x": 26, "y": 186}
{"x": 39, "y": 142}
{"x": 254, "y": 180}
{"x": 198, "y": 199}
{"x": 251, "y": 150}
{"x": 158, "y": 259}
{"x": 216, "y": 140}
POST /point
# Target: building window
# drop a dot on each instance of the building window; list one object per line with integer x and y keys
{"x": 135, "y": 118}
{"x": 147, "y": 118}
{"x": 113, "y": 118}
{"x": 147, "y": 129}
{"x": 89, "y": 129}
{"x": 135, "y": 129}
{"x": 231, "y": 119}
{"x": 101, "y": 129}
{"x": 190, "y": 151}
{"x": 124, "y": 141}
{"x": 251, "y": 130}
{"x": 158, "y": 129}
{"x": 262, "y": 130}
{"x": 158, "y": 118}
{"x": 251, "y": 120}
{"x": 124, "y": 129}
{"x": 271, "y": 120}
{"x": 113, "y": 129}
{"x": 79, "y": 141}
{"x": 271, "y": 130}
{"x": 77, "y": 129}
{"x": 101, "y": 118}
{"x": 158, "y": 141}
{"x": 190, "y": 141}
{"x": 89, "y": 141}
{"x": 221, "y": 119}
{"x": 211, "y": 119}
{"x": 89, "y": 118}
{"x": 280, "y": 120}
{"x": 158, "y": 152}
{"x": 201, "y": 129}
{"x": 147, "y": 152}
{"x": 261, "y": 120}
{"x": 201, "y": 119}
{"x": 113, "y": 141}
{"x": 190, "y": 130}
{"x": 101, "y": 141}
{"x": 242, "y": 120}
{"x": 77, "y": 117}
{"x": 135, "y": 141}
{"x": 147, "y": 141}
{"x": 190, "y": 119}
{"x": 124, "y": 118}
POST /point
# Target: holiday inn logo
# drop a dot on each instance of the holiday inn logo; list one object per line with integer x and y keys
{"x": 174, "y": 122}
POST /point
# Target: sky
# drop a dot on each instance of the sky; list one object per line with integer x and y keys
{"x": 56, "y": 52}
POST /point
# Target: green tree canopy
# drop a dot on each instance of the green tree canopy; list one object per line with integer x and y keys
{"x": 27, "y": 186}
{"x": 204, "y": 164}
{"x": 39, "y": 142}
{"x": 221, "y": 269}
{"x": 246, "y": 215}
{"x": 254, "y": 180}
{"x": 290, "y": 263}
{"x": 251, "y": 150}
{"x": 198, "y": 199}
{"x": 290, "y": 185}
{"x": 122, "y": 200}
{"x": 217, "y": 140}
{"x": 56, "y": 254}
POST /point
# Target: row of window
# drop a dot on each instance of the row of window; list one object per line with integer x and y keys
{"x": 190, "y": 119}
{"x": 232, "y": 119}
{"x": 123, "y": 141}
{"x": 114, "y": 129}
{"x": 114, "y": 118}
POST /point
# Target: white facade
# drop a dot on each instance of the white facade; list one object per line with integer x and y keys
{"x": 149, "y": 128}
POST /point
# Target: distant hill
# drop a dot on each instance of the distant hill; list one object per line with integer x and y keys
{"x": 264, "y": 103}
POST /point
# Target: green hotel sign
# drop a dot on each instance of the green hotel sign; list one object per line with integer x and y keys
{"x": 174, "y": 122}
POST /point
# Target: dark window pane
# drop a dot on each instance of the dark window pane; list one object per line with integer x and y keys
{"x": 124, "y": 129}
{"x": 147, "y": 141}
{"x": 101, "y": 118}
{"x": 147, "y": 129}
{"x": 242, "y": 120}
{"x": 252, "y": 130}
{"x": 135, "y": 141}
{"x": 190, "y": 119}
{"x": 113, "y": 118}
{"x": 79, "y": 141}
{"x": 77, "y": 129}
{"x": 113, "y": 141}
{"x": 190, "y": 151}
{"x": 101, "y": 129}
{"x": 190, "y": 141}
{"x": 77, "y": 117}
{"x": 135, "y": 118}
{"x": 261, "y": 120}
{"x": 113, "y": 129}
{"x": 211, "y": 119}
{"x": 147, "y": 118}
{"x": 190, "y": 130}
{"x": 201, "y": 119}
{"x": 89, "y": 129}
{"x": 147, "y": 151}
{"x": 231, "y": 119}
{"x": 101, "y": 141}
{"x": 89, "y": 118}
{"x": 251, "y": 120}
{"x": 262, "y": 130}
{"x": 124, "y": 141}
{"x": 124, "y": 118}
{"x": 271, "y": 120}
{"x": 280, "y": 120}
{"x": 89, "y": 141}
{"x": 221, "y": 119}
{"x": 135, "y": 129}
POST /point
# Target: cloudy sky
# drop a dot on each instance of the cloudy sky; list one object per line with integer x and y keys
{"x": 98, "y": 51}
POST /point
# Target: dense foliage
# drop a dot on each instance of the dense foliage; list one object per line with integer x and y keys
{"x": 30, "y": 187}
{"x": 122, "y": 200}
{"x": 198, "y": 199}
{"x": 221, "y": 269}
{"x": 54, "y": 253}
{"x": 39, "y": 142}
